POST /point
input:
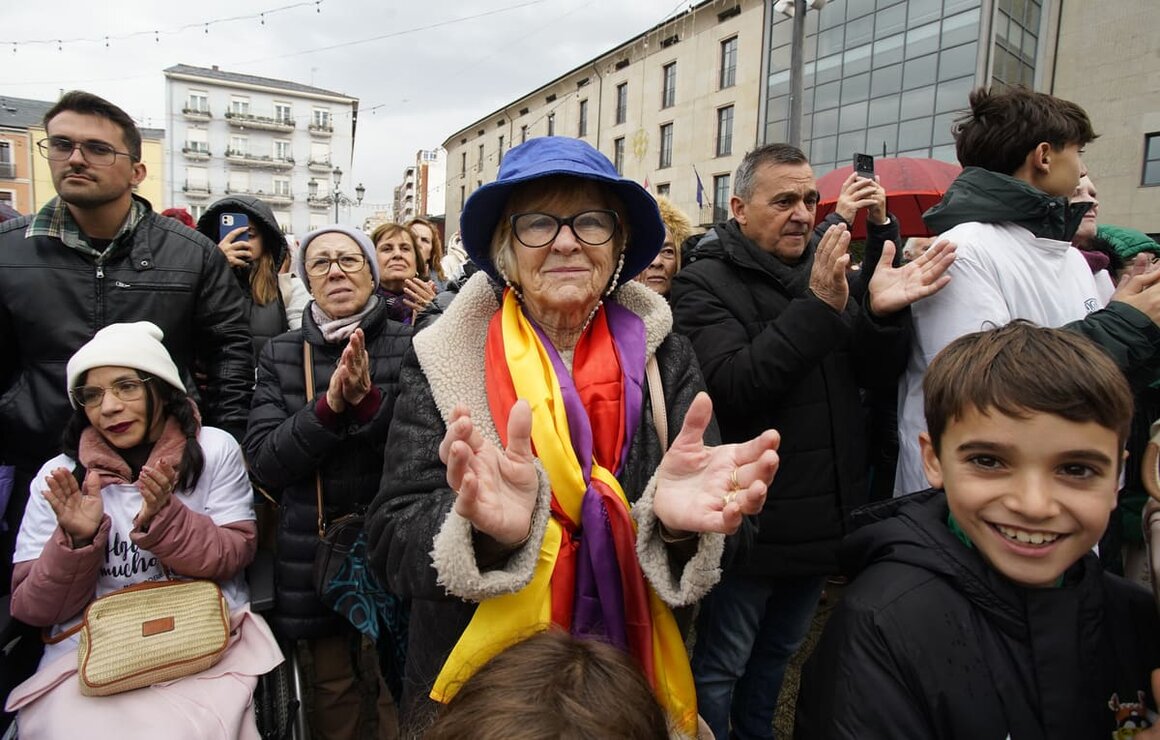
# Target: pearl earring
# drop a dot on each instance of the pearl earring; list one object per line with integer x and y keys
{"x": 616, "y": 275}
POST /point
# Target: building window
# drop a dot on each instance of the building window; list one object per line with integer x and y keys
{"x": 463, "y": 162}
{"x": 197, "y": 211}
{"x": 1151, "y": 159}
{"x": 499, "y": 149}
{"x": 462, "y": 196}
{"x": 725, "y": 131}
{"x": 551, "y": 124}
{"x": 582, "y": 129}
{"x": 320, "y": 152}
{"x": 728, "y": 63}
{"x": 523, "y": 134}
{"x": 282, "y": 186}
{"x": 239, "y": 146}
{"x": 666, "y": 158}
{"x": 622, "y": 102}
{"x": 663, "y": 189}
{"x": 196, "y": 141}
{"x": 7, "y": 168}
{"x": 479, "y": 164}
{"x": 8, "y": 198}
{"x": 618, "y": 154}
{"x": 239, "y": 181}
{"x": 720, "y": 198}
{"x": 320, "y": 118}
{"x": 198, "y": 101}
{"x": 669, "y": 85}
{"x": 282, "y": 150}
{"x": 239, "y": 106}
{"x": 282, "y": 113}
{"x": 196, "y": 178}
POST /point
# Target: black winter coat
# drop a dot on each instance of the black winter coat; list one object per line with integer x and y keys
{"x": 783, "y": 359}
{"x": 53, "y": 299}
{"x": 287, "y": 444}
{"x": 931, "y": 642}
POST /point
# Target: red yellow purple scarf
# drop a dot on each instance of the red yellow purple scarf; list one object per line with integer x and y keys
{"x": 591, "y": 585}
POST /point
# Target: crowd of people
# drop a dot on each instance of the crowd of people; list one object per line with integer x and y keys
{"x": 596, "y": 468}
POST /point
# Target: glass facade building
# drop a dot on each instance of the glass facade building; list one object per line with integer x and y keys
{"x": 888, "y": 77}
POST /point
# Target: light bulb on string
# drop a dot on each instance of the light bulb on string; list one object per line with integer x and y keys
{"x": 207, "y": 29}
{"x": 263, "y": 17}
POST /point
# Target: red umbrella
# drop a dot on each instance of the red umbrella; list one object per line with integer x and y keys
{"x": 912, "y": 186}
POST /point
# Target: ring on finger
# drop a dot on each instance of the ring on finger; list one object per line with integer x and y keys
{"x": 727, "y": 497}
{"x": 735, "y": 485}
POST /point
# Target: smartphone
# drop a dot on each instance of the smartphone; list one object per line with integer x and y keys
{"x": 864, "y": 165}
{"x": 230, "y": 221}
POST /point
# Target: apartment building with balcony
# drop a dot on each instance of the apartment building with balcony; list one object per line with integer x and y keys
{"x": 241, "y": 134}
{"x": 676, "y": 106}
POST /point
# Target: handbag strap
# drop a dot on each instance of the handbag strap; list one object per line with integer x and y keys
{"x": 657, "y": 401}
{"x": 308, "y": 371}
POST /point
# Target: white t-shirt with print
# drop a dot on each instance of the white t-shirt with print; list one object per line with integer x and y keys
{"x": 223, "y": 493}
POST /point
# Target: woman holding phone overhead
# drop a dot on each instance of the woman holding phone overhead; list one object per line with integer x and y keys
{"x": 248, "y": 234}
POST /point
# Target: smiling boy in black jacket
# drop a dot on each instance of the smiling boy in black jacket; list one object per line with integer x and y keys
{"x": 979, "y": 611}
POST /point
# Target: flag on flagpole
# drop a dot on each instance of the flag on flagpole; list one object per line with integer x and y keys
{"x": 700, "y": 188}
{"x": 646, "y": 185}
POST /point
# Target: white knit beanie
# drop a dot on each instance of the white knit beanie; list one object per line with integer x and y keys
{"x": 136, "y": 345}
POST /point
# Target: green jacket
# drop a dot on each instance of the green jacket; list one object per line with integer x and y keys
{"x": 988, "y": 197}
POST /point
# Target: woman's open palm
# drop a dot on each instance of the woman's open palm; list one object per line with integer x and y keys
{"x": 495, "y": 489}
{"x": 78, "y": 510}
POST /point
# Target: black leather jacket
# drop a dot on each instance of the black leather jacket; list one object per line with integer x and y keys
{"x": 54, "y": 298}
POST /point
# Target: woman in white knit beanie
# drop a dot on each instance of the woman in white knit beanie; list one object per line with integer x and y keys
{"x": 142, "y": 492}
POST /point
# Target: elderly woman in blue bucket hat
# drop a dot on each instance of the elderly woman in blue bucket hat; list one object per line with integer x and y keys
{"x": 535, "y": 476}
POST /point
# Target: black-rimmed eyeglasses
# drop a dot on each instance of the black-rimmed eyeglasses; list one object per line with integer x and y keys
{"x": 534, "y": 229}
{"x": 96, "y": 153}
{"x": 129, "y": 389}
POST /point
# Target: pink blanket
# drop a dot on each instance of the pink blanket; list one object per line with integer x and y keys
{"x": 215, "y": 703}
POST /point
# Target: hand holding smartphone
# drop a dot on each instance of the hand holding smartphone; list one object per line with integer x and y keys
{"x": 233, "y": 226}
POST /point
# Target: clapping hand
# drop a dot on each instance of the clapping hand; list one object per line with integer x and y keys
{"x": 828, "y": 273}
{"x": 351, "y": 381}
{"x": 78, "y": 511}
{"x": 417, "y": 293}
{"x": 710, "y": 489}
{"x": 894, "y": 288}
{"x": 495, "y": 489}
{"x": 155, "y": 484}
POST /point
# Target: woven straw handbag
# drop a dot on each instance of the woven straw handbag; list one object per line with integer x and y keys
{"x": 150, "y": 633}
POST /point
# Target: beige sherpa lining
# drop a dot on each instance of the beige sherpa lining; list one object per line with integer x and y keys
{"x": 451, "y": 352}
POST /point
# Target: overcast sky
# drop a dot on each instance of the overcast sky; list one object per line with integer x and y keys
{"x": 421, "y": 70}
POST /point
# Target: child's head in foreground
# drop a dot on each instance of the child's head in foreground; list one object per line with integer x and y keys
{"x": 553, "y": 685}
{"x": 1026, "y": 432}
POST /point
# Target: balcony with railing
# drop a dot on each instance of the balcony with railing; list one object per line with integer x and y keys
{"x": 264, "y": 161}
{"x": 195, "y": 153}
{"x": 324, "y": 130}
{"x": 198, "y": 190}
{"x": 319, "y": 165}
{"x": 196, "y": 114}
{"x": 265, "y": 123}
{"x": 319, "y": 201}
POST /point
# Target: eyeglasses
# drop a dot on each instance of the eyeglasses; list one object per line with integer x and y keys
{"x": 129, "y": 389}
{"x": 535, "y": 230}
{"x": 320, "y": 266}
{"x": 99, "y": 154}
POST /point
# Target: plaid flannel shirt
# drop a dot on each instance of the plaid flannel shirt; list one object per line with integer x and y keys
{"x": 54, "y": 220}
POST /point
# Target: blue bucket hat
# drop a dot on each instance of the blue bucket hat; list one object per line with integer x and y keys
{"x": 560, "y": 155}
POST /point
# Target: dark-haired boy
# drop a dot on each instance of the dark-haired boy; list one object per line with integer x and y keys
{"x": 1009, "y": 214}
{"x": 979, "y": 610}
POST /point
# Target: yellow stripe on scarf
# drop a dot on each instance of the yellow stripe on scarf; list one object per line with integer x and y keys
{"x": 502, "y": 621}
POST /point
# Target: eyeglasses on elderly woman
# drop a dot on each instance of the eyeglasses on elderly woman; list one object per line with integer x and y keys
{"x": 319, "y": 266}
{"x": 534, "y": 229}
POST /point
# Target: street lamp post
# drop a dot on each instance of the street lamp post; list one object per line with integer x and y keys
{"x": 796, "y": 9}
{"x": 337, "y": 197}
